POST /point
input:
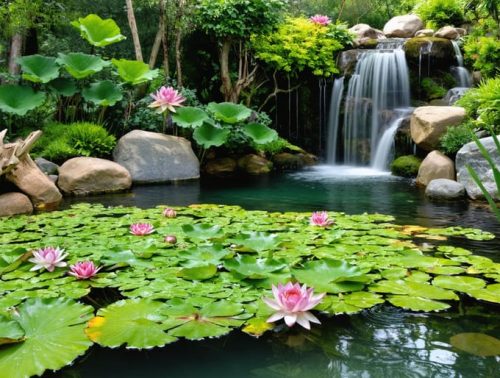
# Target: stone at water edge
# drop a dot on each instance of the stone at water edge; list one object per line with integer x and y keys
{"x": 403, "y": 26}
{"x": 436, "y": 165}
{"x": 429, "y": 124}
{"x": 87, "y": 175}
{"x": 254, "y": 164}
{"x": 221, "y": 167}
{"x": 366, "y": 34}
{"x": 14, "y": 204}
{"x": 47, "y": 166}
{"x": 470, "y": 154}
{"x": 448, "y": 32}
{"x": 155, "y": 157}
{"x": 425, "y": 33}
{"x": 444, "y": 189}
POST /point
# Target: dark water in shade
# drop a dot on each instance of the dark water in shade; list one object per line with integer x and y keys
{"x": 382, "y": 342}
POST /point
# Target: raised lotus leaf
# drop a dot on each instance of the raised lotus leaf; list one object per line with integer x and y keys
{"x": 103, "y": 93}
{"x": 189, "y": 117}
{"x": 134, "y": 71}
{"x": 63, "y": 86}
{"x": 208, "y": 135}
{"x": 257, "y": 241}
{"x": 229, "y": 112}
{"x": 98, "y": 32}
{"x": 54, "y": 337}
{"x": 81, "y": 65}
{"x": 17, "y": 99}
{"x": 254, "y": 268}
{"x": 38, "y": 68}
{"x": 260, "y": 134}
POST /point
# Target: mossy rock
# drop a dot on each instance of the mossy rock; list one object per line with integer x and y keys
{"x": 406, "y": 166}
{"x": 441, "y": 50}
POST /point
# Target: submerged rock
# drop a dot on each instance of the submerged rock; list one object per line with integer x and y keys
{"x": 470, "y": 155}
{"x": 444, "y": 189}
{"x": 286, "y": 160}
{"x": 436, "y": 165}
{"x": 403, "y": 26}
{"x": 14, "y": 204}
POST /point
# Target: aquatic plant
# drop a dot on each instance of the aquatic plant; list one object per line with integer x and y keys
{"x": 141, "y": 229}
{"x": 84, "y": 270}
{"x": 293, "y": 303}
{"x": 320, "y": 218}
{"x": 169, "y": 212}
{"x": 48, "y": 258}
{"x": 166, "y": 98}
{"x": 170, "y": 239}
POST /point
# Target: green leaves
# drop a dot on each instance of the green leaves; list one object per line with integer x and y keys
{"x": 38, "y": 68}
{"x": 103, "y": 93}
{"x": 189, "y": 117}
{"x": 98, "y": 32}
{"x": 202, "y": 231}
{"x": 134, "y": 72}
{"x": 229, "y": 112}
{"x": 260, "y": 134}
{"x": 81, "y": 65}
{"x": 16, "y": 99}
{"x": 208, "y": 135}
{"x": 252, "y": 267}
{"x": 257, "y": 241}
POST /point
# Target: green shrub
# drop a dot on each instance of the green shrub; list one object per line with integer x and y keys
{"x": 431, "y": 89}
{"x": 277, "y": 146}
{"x": 439, "y": 13}
{"x": 455, "y": 138}
{"x": 406, "y": 166}
{"x": 483, "y": 53}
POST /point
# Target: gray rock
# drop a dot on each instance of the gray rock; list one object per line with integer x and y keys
{"x": 14, "y": 204}
{"x": 403, "y": 26}
{"x": 87, "y": 175}
{"x": 46, "y": 166}
{"x": 444, "y": 189}
{"x": 347, "y": 61}
{"x": 154, "y": 157}
{"x": 454, "y": 94}
{"x": 470, "y": 155}
{"x": 366, "y": 34}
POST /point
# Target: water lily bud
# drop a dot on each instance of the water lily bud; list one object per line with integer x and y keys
{"x": 170, "y": 239}
{"x": 169, "y": 213}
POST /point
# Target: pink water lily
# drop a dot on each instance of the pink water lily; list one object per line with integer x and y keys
{"x": 141, "y": 229}
{"x": 169, "y": 212}
{"x": 321, "y": 20}
{"x": 320, "y": 218}
{"x": 48, "y": 258}
{"x": 166, "y": 98}
{"x": 84, "y": 270}
{"x": 292, "y": 303}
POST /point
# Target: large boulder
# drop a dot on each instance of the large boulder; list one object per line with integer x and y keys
{"x": 154, "y": 157}
{"x": 87, "y": 175}
{"x": 403, "y": 26}
{"x": 255, "y": 164}
{"x": 425, "y": 33}
{"x": 470, "y": 155}
{"x": 365, "y": 34}
{"x": 448, "y": 32}
{"x": 444, "y": 189}
{"x": 14, "y": 204}
{"x": 429, "y": 123}
{"x": 435, "y": 166}
{"x": 347, "y": 60}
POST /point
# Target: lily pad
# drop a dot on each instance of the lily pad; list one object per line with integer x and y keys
{"x": 417, "y": 303}
{"x": 477, "y": 344}
{"x": 252, "y": 267}
{"x": 257, "y": 241}
{"x": 260, "y": 134}
{"x": 211, "y": 254}
{"x": 202, "y": 231}
{"x": 133, "y": 71}
{"x": 459, "y": 283}
{"x": 208, "y": 135}
{"x": 10, "y": 331}
{"x": 103, "y": 93}
{"x": 199, "y": 272}
{"x": 81, "y": 65}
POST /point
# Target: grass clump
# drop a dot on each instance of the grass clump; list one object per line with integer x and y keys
{"x": 406, "y": 166}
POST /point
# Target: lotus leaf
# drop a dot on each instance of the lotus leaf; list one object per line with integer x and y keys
{"x": 103, "y": 93}
{"x": 81, "y": 65}
{"x": 98, "y": 32}
{"x": 257, "y": 241}
{"x": 477, "y": 344}
{"x": 38, "y": 68}
{"x": 138, "y": 323}
{"x": 54, "y": 337}
{"x": 16, "y": 99}
{"x": 260, "y": 134}
{"x": 458, "y": 283}
{"x": 417, "y": 303}
{"x": 189, "y": 117}
{"x": 252, "y": 267}
{"x": 63, "y": 86}
{"x": 410, "y": 288}
{"x": 229, "y": 112}
{"x": 208, "y": 135}
{"x": 133, "y": 71}
{"x": 490, "y": 294}
{"x": 10, "y": 331}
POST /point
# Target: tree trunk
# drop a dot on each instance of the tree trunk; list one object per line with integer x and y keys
{"x": 156, "y": 47}
{"x": 164, "y": 39}
{"x": 178, "y": 40}
{"x": 16, "y": 47}
{"x": 133, "y": 30}
{"x": 227, "y": 85}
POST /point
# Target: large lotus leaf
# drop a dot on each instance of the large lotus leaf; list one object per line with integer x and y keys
{"x": 477, "y": 344}
{"x": 134, "y": 322}
{"x": 103, "y": 93}
{"x": 490, "y": 294}
{"x": 260, "y": 134}
{"x": 19, "y": 100}
{"x": 208, "y": 135}
{"x": 81, "y": 65}
{"x": 54, "y": 337}
{"x": 134, "y": 71}
{"x": 98, "y": 32}
{"x": 460, "y": 283}
{"x": 38, "y": 68}
{"x": 202, "y": 231}
{"x": 229, "y": 112}
{"x": 417, "y": 289}
{"x": 10, "y": 331}
{"x": 212, "y": 320}
{"x": 189, "y": 117}
{"x": 210, "y": 254}
{"x": 63, "y": 86}
{"x": 257, "y": 241}
{"x": 252, "y": 267}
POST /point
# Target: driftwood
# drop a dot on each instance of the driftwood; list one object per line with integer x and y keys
{"x": 21, "y": 170}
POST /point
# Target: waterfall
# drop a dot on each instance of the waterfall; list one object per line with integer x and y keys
{"x": 379, "y": 85}
{"x": 460, "y": 72}
{"x": 333, "y": 120}
{"x": 424, "y": 50}
{"x": 385, "y": 148}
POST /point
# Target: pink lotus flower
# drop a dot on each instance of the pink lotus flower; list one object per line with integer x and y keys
{"x": 84, "y": 270}
{"x": 170, "y": 239}
{"x": 166, "y": 98}
{"x": 293, "y": 303}
{"x": 320, "y": 218}
{"x": 48, "y": 258}
{"x": 169, "y": 213}
{"x": 141, "y": 229}
{"x": 321, "y": 20}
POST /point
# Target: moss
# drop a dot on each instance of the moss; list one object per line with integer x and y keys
{"x": 406, "y": 166}
{"x": 441, "y": 47}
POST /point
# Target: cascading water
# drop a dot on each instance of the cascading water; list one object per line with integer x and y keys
{"x": 333, "y": 120}
{"x": 461, "y": 73}
{"x": 379, "y": 85}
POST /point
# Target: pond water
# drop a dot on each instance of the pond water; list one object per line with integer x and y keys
{"x": 381, "y": 342}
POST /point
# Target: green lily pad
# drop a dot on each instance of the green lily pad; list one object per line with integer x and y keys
{"x": 459, "y": 283}
{"x": 133, "y": 71}
{"x": 202, "y": 231}
{"x": 54, "y": 337}
{"x": 260, "y": 134}
{"x": 417, "y": 303}
{"x": 63, "y": 86}
{"x": 490, "y": 294}
{"x": 198, "y": 273}
{"x": 252, "y": 267}
{"x": 10, "y": 331}
{"x": 257, "y": 241}
{"x": 477, "y": 344}
{"x": 103, "y": 93}
{"x": 417, "y": 289}
{"x": 210, "y": 254}
{"x": 208, "y": 135}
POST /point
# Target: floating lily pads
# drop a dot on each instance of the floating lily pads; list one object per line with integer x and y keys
{"x": 202, "y": 231}
{"x": 257, "y": 241}
{"x": 254, "y": 268}
{"x": 133, "y": 71}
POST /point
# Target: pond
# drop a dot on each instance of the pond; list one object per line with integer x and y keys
{"x": 384, "y": 341}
